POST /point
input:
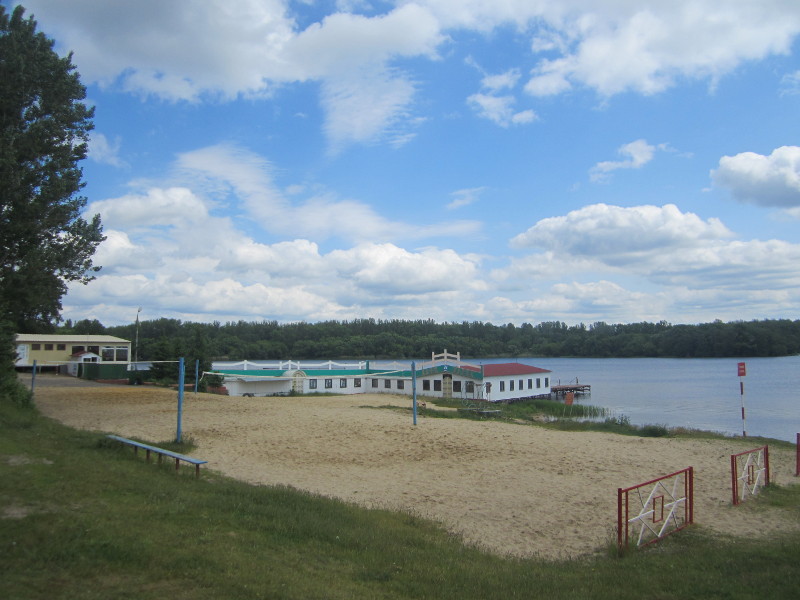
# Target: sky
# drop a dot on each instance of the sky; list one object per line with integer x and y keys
{"x": 502, "y": 161}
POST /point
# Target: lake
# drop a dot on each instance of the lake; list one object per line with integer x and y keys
{"x": 696, "y": 393}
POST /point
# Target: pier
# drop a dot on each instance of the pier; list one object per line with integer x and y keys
{"x": 575, "y": 388}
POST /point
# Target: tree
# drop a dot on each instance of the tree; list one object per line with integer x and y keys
{"x": 44, "y": 128}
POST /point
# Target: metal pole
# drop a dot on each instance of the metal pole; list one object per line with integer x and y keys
{"x": 33, "y": 377}
{"x": 136, "y": 345}
{"x": 414, "y": 388}
{"x": 744, "y": 421}
{"x": 196, "y": 374}
{"x": 181, "y": 374}
{"x": 742, "y": 372}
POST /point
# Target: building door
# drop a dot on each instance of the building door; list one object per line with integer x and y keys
{"x": 447, "y": 385}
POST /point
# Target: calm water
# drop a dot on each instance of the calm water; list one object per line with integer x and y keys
{"x": 698, "y": 393}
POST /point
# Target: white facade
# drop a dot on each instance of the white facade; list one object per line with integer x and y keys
{"x": 445, "y": 376}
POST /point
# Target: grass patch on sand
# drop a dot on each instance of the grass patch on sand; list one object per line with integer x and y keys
{"x": 82, "y": 519}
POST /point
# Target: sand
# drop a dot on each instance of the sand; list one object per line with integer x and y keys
{"x": 512, "y": 489}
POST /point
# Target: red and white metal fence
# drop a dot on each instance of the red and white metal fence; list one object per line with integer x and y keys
{"x": 652, "y": 510}
{"x": 749, "y": 473}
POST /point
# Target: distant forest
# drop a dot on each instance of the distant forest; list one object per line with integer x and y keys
{"x": 162, "y": 339}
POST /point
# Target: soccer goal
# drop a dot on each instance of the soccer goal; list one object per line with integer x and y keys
{"x": 749, "y": 473}
{"x": 655, "y": 509}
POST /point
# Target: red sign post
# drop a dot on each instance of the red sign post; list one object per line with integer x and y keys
{"x": 742, "y": 370}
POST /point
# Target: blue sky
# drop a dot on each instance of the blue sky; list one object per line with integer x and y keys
{"x": 508, "y": 162}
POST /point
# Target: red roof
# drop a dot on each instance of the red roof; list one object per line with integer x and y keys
{"x": 503, "y": 369}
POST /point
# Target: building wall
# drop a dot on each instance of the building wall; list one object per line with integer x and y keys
{"x": 434, "y": 385}
{"x": 512, "y": 387}
{"x": 55, "y": 349}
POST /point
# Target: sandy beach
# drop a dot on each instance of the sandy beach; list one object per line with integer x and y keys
{"x": 512, "y": 489}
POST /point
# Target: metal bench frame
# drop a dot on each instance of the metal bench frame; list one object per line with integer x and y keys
{"x": 161, "y": 453}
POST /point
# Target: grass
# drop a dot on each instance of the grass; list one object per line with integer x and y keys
{"x": 82, "y": 519}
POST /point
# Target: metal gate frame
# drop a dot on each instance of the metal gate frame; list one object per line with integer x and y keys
{"x": 663, "y": 512}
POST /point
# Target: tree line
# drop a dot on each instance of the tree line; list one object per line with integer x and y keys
{"x": 163, "y": 339}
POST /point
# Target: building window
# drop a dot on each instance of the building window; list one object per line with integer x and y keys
{"x": 375, "y": 383}
{"x": 108, "y": 354}
{"x": 530, "y": 384}
{"x": 538, "y": 383}
{"x": 387, "y": 383}
{"x": 470, "y": 387}
{"x": 521, "y": 387}
{"x": 502, "y": 386}
{"x": 546, "y": 382}
{"x": 76, "y": 349}
{"x": 61, "y": 346}
{"x": 36, "y": 346}
{"x": 426, "y": 385}
{"x": 511, "y": 386}
{"x": 400, "y": 384}
{"x": 93, "y": 349}
{"x": 312, "y": 384}
{"x": 122, "y": 354}
{"x": 343, "y": 383}
{"x": 357, "y": 382}
{"x": 457, "y": 387}
{"x": 328, "y": 384}
{"x": 48, "y": 346}
{"x": 437, "y": 385}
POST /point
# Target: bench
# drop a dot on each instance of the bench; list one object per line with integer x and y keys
{"x": 161, "y": 453}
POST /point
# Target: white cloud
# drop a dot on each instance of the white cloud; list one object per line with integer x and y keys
{"x": 496, "y": 83}
{"x": 320, "y": 216}
{"x": 394, "y": 270}
{"x": 465, "y": 197}
{"x": 157, "y": 208}
{"x": 499, "y": 110}
{"x": 772, "y": 180}
{"x": 367, "y": 106}
{"x": 620, "y": 235}
{"x": 790, "y": 84}
{"x": 647, "y": 46}
{"x": 639, "y": 153}
{"x": 103, "y": 151}
{"x": 214, "y": 51}
{"x": 643, "y": 262}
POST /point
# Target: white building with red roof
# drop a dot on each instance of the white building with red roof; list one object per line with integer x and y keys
{"x": 444, "y": 376}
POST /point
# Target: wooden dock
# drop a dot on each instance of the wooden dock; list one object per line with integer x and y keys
{"x": 575, "y": 388}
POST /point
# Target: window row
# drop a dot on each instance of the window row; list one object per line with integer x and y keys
{"x": 48, "y": 346}
{"x": 313, "y": 383}
{"x": 109, "y": 353}
{"x": 521, "y": 383}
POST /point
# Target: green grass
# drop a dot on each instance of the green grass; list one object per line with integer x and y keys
{"x": 80, "y": 518}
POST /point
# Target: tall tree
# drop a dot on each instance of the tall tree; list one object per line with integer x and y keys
{"x": 44, "y": 128}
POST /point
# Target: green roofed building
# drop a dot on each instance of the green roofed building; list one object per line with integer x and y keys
{"x": 444, "y": 376}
